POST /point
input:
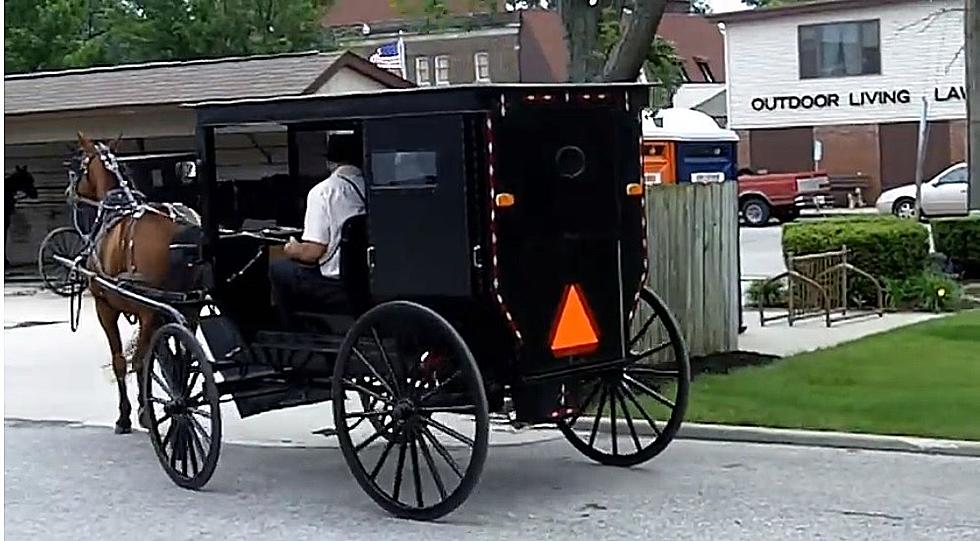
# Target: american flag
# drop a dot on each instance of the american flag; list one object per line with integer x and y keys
{"x": 389, "y": 56}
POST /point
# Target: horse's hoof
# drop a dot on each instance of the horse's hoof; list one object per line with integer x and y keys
{"x": 144, "y": 419}
{"x": 123, "y": 428}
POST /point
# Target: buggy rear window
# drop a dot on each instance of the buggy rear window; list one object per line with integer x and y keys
{"x": 403, "y": 169}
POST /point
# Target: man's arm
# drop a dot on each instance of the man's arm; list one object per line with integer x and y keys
{"x": 304, "y": 251}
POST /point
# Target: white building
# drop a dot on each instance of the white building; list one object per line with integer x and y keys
{"x": 851, "y": 74}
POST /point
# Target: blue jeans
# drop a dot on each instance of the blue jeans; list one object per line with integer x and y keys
{"x": 300, "y": 287}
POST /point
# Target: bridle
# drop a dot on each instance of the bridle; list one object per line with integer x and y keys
{"x": 79, "y": 169}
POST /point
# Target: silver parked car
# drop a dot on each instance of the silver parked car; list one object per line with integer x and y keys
{"x": 943, "y": 195}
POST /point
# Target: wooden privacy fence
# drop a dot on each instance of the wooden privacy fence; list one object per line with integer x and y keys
{"x": 692, "y": 238}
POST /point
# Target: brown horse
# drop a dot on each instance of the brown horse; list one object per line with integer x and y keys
{"x": 134, "y": 248}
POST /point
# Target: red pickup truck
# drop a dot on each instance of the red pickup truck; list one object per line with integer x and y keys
{"x": 779, "y": 195}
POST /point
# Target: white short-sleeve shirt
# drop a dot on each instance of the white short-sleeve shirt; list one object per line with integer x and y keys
{"x": 331, "y": 202}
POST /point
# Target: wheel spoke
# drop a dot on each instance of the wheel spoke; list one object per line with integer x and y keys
{"x": 204, "y": 433}
{"x": 163, "y": 385}
{"x": 447, "y": 409}
{"x": 387, "y": 360}
{"x": 648, "y": 352}
{"x": 400, "y": 468}
{"x": 384, "y": 454}
{"x": 199, "y": 447}
{"x": 416, "y": 474}
{"x": 432, "y": 466}
{"x": 170, "y": 433}
{"x": 192, "y": 449}
{"x": 612, "y": 420}
{"x": 375, "y": 436}
{"x": 175, "y": 448}
{"x": 202, "y": 413}
{"x": 360, "y": 388}
{"x": 586, "y": 404}
{"x": 161, "y": 420}
{"x": 443, "y": 452}
{"x": 364, "y": 414}
{"x": 598, "y": 416}
{"x": 374, "y": 371}
{"x": 439, "y": 387}
{"x": 629, "y": 422}
{"x": 646, "y": 389}
{"x": 636, "y": 403}
{"x": 643, "y": 329}
{"x": 651, "y": 371}
{"x": 161, "y": 401}
{"x": 448, "y": 431}
{"x": 193, "y": 382}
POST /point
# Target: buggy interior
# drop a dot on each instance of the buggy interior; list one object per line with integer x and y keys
{"x": 263, "y": 174}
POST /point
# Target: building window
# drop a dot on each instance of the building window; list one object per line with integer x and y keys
{"x": 481, "y": 65}
{"x": 422, "y": 75}
{"x": 839, "y": 49}
{"x": 442, "y": 70}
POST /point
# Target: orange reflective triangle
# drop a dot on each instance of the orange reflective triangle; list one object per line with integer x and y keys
{"x": 574, "y": 331}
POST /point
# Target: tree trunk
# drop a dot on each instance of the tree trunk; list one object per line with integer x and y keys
{"x": 639, "y": 29}
{"x": 582, "y": 36}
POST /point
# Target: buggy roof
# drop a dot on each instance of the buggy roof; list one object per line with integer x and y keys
{"x": 397, "y": 101}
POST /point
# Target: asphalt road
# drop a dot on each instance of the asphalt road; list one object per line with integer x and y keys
{"x": 85, "y": 483}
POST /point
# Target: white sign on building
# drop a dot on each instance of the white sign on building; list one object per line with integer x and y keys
{"x": 856, "y": 63}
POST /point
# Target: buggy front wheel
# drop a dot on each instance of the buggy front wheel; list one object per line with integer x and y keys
{"x": 182, "y": 406}
{"x": 423, "y": 452}
{"x": 64, "y": 242}
{"x": 628, "y": 415}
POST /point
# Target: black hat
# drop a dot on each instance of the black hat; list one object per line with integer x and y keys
{"x": 344, "y": 148}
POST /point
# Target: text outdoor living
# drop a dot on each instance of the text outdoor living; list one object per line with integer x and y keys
{"x": 863, "y": 98}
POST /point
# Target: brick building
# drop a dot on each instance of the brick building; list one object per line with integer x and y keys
{"x": 505, "y": 46}
{"x": 851, "y": 75}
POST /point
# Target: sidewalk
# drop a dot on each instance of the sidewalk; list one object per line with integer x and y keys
{"x": 778, "y": 338}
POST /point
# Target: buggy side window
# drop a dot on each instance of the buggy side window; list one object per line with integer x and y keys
{"x": 404, "y": 169}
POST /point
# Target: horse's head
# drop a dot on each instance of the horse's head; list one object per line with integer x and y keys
{"x": 21, "y": 181}
{"x": 95, "y": 168}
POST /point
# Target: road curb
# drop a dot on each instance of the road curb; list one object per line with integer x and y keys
{"x": 810, "y": 438}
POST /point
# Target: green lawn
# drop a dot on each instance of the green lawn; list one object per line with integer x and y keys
{"x": 922, "y": 380}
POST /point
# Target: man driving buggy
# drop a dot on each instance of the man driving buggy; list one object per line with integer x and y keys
{"x": 309, "y": 276}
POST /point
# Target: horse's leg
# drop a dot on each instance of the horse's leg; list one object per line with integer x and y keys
{"x": 109, "y": 318}
{"x": 148, "y": 325}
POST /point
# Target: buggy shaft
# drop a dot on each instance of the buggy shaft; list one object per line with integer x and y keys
{"x": 170, "y": 311}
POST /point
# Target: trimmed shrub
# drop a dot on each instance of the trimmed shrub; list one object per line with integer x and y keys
{"x": 959, "y": 240}
{"x": 929, "y": 291}
{"x": 886, "y": 247}
{"x": 766, "y": 294}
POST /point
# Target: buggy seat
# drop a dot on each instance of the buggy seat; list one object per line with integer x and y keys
{"x": 354, "y": 278}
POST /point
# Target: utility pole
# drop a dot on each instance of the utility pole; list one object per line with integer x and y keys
{"x": 971, "y": 23}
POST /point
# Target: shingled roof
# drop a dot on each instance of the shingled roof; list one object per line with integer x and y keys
{"x": 162, "y": 83}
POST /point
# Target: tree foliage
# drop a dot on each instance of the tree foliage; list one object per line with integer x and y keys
{"x": 54, "y": 34}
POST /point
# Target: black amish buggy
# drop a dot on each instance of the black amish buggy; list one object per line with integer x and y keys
{"x": 499, "y": 270}
{"x": 161, "y": 177}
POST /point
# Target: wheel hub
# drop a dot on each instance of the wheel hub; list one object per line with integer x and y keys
{"x": 403, "y": 410}
{"x": 178, "y": 405}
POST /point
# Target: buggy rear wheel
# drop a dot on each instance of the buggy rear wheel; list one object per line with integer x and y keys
{"x": 429, "y": 417}
{"x": 64, "y": 242}
{"x": 648, "y": 395}
{"x": 182, "y": 405}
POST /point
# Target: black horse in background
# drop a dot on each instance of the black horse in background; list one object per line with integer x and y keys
{"x": 18, "y": 182}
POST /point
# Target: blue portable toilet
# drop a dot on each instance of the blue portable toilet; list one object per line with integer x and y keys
{"x": 702, "y": 151}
